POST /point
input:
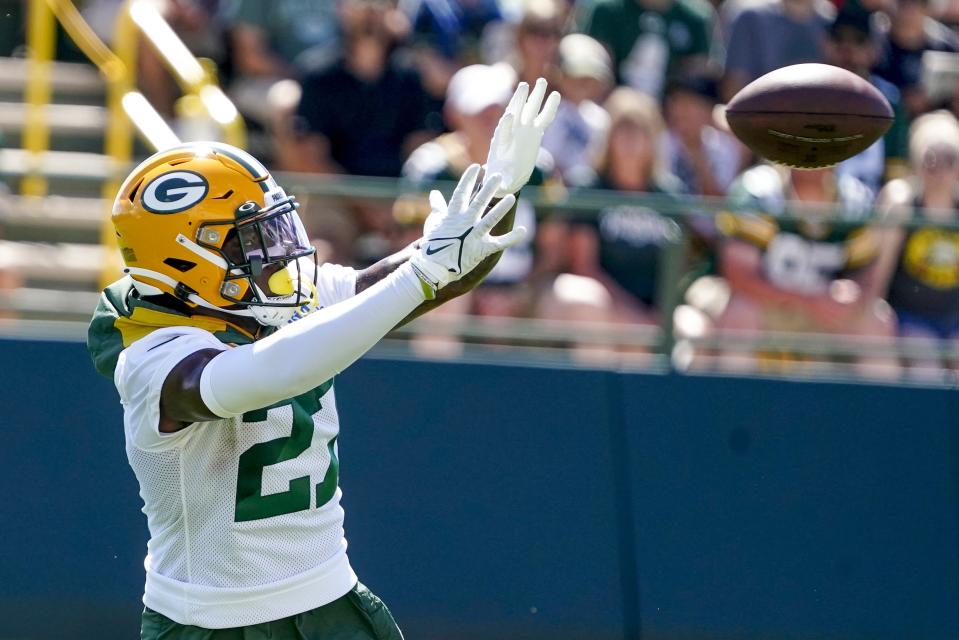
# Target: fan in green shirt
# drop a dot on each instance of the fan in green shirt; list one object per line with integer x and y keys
{"x": 651, "y": 40}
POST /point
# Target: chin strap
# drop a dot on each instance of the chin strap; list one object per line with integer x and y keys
{"x": 192, "y": 297}
{"x": 265, "y": 315}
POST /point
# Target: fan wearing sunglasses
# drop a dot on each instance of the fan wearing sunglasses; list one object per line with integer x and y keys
{"x": 921, "y": 262}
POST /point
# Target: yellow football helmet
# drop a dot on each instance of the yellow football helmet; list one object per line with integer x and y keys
{"x": 202, "y": 221}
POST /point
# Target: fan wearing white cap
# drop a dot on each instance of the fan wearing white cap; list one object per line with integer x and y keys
{"x": 577, "y": 136}
{"x": 476, "y": 99}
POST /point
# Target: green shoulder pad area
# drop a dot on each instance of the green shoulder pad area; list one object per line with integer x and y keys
{"x": 104, "y": 341}
{"x": 121, "y": 318}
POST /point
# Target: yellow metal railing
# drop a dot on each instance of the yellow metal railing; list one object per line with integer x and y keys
{"x": 127, "y": 108}
{"x": 36, "y": 134}
{"x": 195, "y": 78}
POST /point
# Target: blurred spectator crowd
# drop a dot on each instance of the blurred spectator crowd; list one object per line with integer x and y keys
{"x": 413, "y": 89}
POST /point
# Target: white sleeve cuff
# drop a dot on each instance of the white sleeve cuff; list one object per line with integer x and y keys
{"x": 209, "y": 398}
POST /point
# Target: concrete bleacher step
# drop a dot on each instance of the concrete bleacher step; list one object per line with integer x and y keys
{"x": 54, "y": 211}
{"x": 52, "y": 218}
{"x": 72, "y": 127}
{"x": 69, "y": 173}
{"x": 63, "y": 265}
{"x": 59, "y": 141}
{"x": 68, "y": 119}
{"x": 71, "y": 81}
{"x": 77, "y": 165}
{"x": 32, "y": 303}
{"x": 76, "y": 119}
{"x": 51, "y": 244}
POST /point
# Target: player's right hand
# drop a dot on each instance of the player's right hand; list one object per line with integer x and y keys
{"x": 456, "y": 236}
{"x": 518, "y": 135}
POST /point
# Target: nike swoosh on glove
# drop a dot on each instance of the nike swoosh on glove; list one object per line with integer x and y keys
{"x": 457, "y": 235}
{"x": 516, "y": 140}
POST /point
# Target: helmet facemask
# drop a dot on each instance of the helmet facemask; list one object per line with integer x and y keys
{"x": 260, "y": 241}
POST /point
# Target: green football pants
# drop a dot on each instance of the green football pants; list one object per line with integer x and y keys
{"x": 359, "y": 615}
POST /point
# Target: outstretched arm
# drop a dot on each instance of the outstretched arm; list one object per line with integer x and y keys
{"x": 300, "y": 356}
{"x": 211, "y": 384}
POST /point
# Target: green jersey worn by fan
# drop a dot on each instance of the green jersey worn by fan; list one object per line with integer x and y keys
{"x": 800, "y": 255}
{"x": 223, "y": 340}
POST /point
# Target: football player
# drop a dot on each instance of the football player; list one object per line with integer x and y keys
{"x": 223, "y": 340}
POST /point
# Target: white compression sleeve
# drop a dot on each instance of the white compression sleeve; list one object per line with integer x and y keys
{"x": 307, "y": 353}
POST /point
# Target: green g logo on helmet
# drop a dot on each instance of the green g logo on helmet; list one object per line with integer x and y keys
{"x": 174, "y": 192}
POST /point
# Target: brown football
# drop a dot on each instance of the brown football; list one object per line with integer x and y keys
{"x": 809, "y": 115}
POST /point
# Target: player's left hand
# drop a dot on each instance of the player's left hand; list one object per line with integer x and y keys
{"x": 456, "y": 236}
{"x": 515, "y": 145}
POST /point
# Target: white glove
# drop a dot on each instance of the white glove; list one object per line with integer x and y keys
{"x": 456, "y": 235}
{"x": 515, "y": 145}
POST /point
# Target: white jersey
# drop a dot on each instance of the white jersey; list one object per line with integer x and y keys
{"x": 244, "y": 513}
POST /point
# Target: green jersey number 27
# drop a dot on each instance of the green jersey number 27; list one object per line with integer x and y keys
{"x": 251, "y": 503}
